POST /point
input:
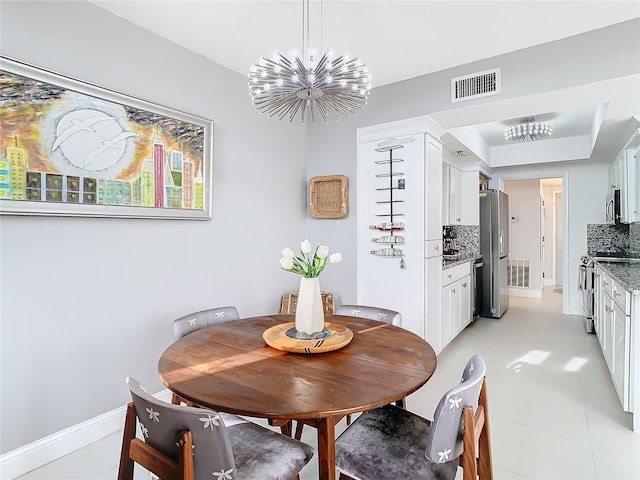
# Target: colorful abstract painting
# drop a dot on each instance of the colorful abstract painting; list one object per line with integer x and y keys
{"x": 70, "y": 148}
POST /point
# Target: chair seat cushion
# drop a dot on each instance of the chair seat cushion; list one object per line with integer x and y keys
{"x": 264, "y": 454}
{"x": 389, "y": 442}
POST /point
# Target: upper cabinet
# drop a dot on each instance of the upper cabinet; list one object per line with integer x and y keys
{"x": 624, "y": 175}
{"x": 460, "y": 200}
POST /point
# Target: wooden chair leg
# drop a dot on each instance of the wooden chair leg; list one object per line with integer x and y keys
{"x": 468, "y": 458}
{"x": 345, "y": 477}
{"x": 175, "y": 399}
{"x": 402, "y": 403}
{"x": 125, "y": 470}
{"x": 186, "y": 455}
{"x": 485, "y": 463}
{"x": 299, "y": 427}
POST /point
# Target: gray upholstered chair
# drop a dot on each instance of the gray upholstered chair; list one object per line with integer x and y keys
{"x": 188, "y": 443}
{"x": 195, "y": 321}
{"x": 390, "y": 442}
{"x": 372, "y": 313}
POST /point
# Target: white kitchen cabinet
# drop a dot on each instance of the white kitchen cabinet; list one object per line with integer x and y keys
{"x": 455, "y": 196}
{"x": 460, "y": 200}
{"x": 624, "y": 175}
{"x": 614, "y": 174}
{"x": 433, "y": 190}
{"x": 404, "y": 283}
{"x": 456, "y": 301}
{"x": 433, "y": 306}
{"x": 620, "y": 354}
{"x": 613, "y": 325}
{"x": 634, "y": 185}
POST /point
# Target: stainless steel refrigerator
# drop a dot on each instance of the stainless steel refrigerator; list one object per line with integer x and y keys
{"x": 494, "y": 247}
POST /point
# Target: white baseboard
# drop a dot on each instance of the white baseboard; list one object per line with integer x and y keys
{"x": 36, "y": 454}
{"x": 549, "y": 281}
{"x": 524, "y": 292}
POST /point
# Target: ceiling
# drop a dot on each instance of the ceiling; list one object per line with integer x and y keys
{"x": 384, "y": 34}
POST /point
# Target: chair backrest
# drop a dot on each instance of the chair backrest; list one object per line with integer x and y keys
{"x": 289, "y": 302}
{"x": 163, "y": 425}
{"x": 372, "y": 313}
{"x": 445, "y": 437}
{"x": 195, "y": 321}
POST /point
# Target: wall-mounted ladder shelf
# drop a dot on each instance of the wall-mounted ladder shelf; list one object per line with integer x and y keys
{"x": 396, "y": 182}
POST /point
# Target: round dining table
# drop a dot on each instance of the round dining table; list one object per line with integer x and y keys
{"x": 229, "y": 367}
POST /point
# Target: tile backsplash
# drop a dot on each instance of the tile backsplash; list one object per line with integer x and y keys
{"x": 467, "y": 239}
{"x": 606, "y": 237}
{"x": 634, "y": 240}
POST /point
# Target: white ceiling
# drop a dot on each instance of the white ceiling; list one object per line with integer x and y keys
{"x": 403, "y": 39}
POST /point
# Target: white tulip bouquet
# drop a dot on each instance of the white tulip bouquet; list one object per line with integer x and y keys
{"x": 304, "y": 264}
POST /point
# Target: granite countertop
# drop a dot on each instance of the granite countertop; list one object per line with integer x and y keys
{"x": 446, "y": 263}
{"x": 628, "y": 274}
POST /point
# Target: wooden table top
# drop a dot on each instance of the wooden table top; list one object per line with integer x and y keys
{"x": 229, "y": 367}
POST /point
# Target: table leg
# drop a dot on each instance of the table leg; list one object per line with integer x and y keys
{"x": 327, "y": 448}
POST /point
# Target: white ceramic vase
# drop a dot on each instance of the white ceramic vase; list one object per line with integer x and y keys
{"x": 309, "y": 311}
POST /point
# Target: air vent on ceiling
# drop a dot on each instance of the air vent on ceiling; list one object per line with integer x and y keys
{"x": 475, "y": 85}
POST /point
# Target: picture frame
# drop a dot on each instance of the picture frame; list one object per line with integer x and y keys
{"x": 71, "y": 148}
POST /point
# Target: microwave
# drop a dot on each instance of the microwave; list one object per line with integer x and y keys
{"x": 612, "y": 208}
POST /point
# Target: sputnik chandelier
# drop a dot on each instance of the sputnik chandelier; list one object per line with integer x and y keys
{"x": 330, "y": 87}
{"x": 528, "y": 130}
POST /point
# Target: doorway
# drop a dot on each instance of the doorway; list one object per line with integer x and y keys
{"x": 536, "y": 239}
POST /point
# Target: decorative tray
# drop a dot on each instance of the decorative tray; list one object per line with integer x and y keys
{"x": 282, "y": 337}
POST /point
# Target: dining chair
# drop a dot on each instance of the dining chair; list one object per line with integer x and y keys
{"x": 390, "y": 442}
{"x": 289, "y": 302}
{"x": 371, "y": 313}
{"x": 205, "y": 318}
{"x": 195, "y": 321}
{"x": 180, "y": 442}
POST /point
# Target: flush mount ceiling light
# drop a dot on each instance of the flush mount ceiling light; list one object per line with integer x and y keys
{"x": 528, "y": 130}
{"x": 331, "y": 87}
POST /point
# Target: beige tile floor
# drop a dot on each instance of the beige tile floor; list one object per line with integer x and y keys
{"x": 554, "y": 412}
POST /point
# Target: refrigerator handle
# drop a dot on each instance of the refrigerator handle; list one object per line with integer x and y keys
{"x": 500, "y": 242}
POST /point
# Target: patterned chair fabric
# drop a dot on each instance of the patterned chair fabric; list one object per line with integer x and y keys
{"x": 225, "y": 446}
{"x": 205, "y": 318}
{"x": 390, "y": 442}
{"x": 372, "y": 313}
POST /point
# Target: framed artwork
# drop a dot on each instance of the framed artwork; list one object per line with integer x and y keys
{"x": 68, "y": 148}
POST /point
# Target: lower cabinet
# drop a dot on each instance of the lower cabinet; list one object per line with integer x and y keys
{"x": 613, "y": 328}
{"x": 456, "y": 301}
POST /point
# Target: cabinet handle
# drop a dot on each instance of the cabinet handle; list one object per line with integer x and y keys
{"x": 453, "y": 291}
{"x": 616, "y": 294}
{"x": 457, "y": 219}
{"x": 449, "y": 276}
{"x": 606, "y": 283}
{"x": 464, "y": 285}
{"x": 436, "y": 247}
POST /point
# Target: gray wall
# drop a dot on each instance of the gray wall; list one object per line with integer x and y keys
{"x": 86, "y": 302}
{"x": 591, "y": 57}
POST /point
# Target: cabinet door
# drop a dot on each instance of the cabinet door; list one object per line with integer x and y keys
{"x": 450, "y": 312}
{"x": 465, "y": 302}
{"x": 634, "y": 185}
{"x": 445, "y": 194}
{"x": 455, "y": 196}
{"x": 597, "y": 304}
{"x": 614, "y": 180}
{"x": 620, "y": 355}
{"x": 433, "y": 189}
{"x": 433, "y": 309}
{"x": 607, "y": 328}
